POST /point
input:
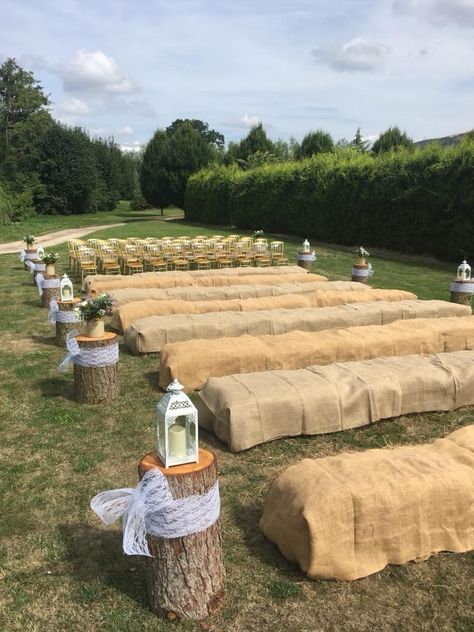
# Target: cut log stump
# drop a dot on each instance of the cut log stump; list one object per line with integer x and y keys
{"x": 96, "y": 384}
{"x": 186, "y": 576}
{"x": 62, "y": 329}
{"x": 360, "y": 272}
{"x": 49, "y": 292}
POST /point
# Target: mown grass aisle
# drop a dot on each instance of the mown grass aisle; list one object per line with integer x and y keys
{"x": 61, "y": 569}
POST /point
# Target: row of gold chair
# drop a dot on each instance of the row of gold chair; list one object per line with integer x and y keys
{"x": 129, "y": 256}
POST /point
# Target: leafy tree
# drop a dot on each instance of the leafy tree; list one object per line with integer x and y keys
{"x": 169, "y": 159}
{"x": 109, "y": 165}
{"x": 129, "y": 187}
{"x": 358, "y": 142}
{"x": 211, "y": 136}
{"x": 393, "y": 138}
{"x": 316, "y": 142}
{"x": 23, "y": 120}
{"x": 68, "y": 172}
{"x": 256, "y": 140}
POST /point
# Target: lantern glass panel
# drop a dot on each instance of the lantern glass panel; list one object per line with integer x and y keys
{"x": 161, "y": 430}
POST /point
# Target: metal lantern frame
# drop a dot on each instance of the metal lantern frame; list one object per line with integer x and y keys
{"x": 66, "y": 283}
{"x": 173, "y": 406}
{"x": 306, "y": 246}
{"x": 464, "y": 272}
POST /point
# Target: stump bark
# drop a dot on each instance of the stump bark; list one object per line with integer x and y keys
{"x": 62, "y": 329}
{"x": 49, "y": 292}
{"x": 94, "y": 385}
{"x": 30, "y": 254}
{"x": 362, "y": 267}
{"x": 35, "y": 271}
{"x": 186, "y": 576}
{"x": 305, "y": 260}
{"x": 461, "y": 292}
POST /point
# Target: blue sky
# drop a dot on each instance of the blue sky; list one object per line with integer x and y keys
{"x": 126, "y": 68}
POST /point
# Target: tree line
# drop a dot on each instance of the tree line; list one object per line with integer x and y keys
{"x": 50, "y": 168}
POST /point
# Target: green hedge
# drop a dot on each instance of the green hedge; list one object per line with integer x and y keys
{"x": 418, "y": 201}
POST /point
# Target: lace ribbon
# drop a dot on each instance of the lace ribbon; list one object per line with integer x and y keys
{"x": 150, "y": 508}
{"x": 367, "y": 272}
{"x": 44, "y": 284}
{"x": 96, "y": 357}
{"x": 55, "y": 315}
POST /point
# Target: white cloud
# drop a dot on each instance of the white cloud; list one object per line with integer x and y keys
{"x": 134, "y": 147}
{"x": 357, "y": 55}
{"x": 96, "y": 73}
{"x": 438, "y": 12}
{"x": 124, "y": 131}
{"x": 73, "y": 106}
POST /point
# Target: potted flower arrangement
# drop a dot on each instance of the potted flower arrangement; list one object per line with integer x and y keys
{"x": 29, "y": 240}
{"x": 50, "y": 258}
{"x": 362, "y": 253}
{"x": 257, "y": 233}
{"x": 93, "y": 311}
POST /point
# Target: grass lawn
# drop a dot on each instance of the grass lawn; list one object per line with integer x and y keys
{"x": 42, "y": 224}
{"x": 62, "y": 570}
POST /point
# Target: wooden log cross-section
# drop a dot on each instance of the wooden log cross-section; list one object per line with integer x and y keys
{"x": 186, "y": 576}
{"x": 63, "y": 329}
{"x": 96, "y": 384}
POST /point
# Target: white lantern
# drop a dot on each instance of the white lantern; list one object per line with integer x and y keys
{"x": 177, "y": 427}
{"x": 306, "y": 246}
{"x": 464, "y": 272}
{"x": 65, "y": 289}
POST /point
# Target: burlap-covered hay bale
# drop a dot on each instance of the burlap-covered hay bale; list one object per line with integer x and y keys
{"x": 226, "y": 292}
{"x": 194, "y": 361}
{"x": 252, "y": 408}
{"x": 279, "y": 270}
{"x": 184, "y": 279}
{"x": 348, "y": 516}
{"x": 151, "y": 334}
{"x": 126, "y": 315}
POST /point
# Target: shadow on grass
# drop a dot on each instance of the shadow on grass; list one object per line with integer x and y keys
{"x": 246, "y": 518}
{"x": 34, "y": 303}
{"x": 96, "y": 555}
{"x": 46, "y": 340}
{"x": 57, "y": 387}
{"x": 153, "y": 379}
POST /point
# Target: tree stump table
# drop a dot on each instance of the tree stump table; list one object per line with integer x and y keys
{"x": 360, "y": 272}
{"x": 49, "y": 289}
{"x": 96, "y": 384}
{"x": 30, "y": 255}
{"x": 462, "y": 291}
{"x": 67, "y": 321}
{"x": 305, "y": 259}
{"x": 186, "y": 576}
{"x": 38, "y": 267}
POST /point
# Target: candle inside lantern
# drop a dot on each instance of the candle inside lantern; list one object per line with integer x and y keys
{"x": 177, "y": 440}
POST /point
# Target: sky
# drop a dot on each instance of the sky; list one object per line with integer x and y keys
{"x": 125, "y": 68}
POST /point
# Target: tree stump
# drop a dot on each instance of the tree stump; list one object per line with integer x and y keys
{"x": 63, "y": 328}
{"x": 96, "y": 384}
{"x": 39, "y": 266}
{"x": 186, "y": 576}
{"x": 305, "y": 259}
{"x": 462, "y": 291}
{"x": 50, "y": 287}
{"x": 30, "y": 255}
{"x": 360, "y": 272}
